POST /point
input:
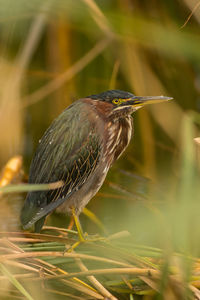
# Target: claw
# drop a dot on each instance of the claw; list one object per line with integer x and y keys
{"x": 83, "y": 237}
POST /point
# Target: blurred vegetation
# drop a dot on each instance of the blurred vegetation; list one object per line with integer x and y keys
{"x": 54, "y": 52}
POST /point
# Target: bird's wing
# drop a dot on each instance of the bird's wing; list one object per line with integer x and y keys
{"x": 69, "y": 151}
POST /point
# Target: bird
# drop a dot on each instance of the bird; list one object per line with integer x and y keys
{"x": 78, "y": 149}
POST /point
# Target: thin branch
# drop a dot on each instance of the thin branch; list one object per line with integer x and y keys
{"x": 95, "y": 282}
{"x": 32, "y": 41}
{"x": 99, "y": 17}
{"x": 67, "y": 75}
{"x": 117, "y": 271}
{"x": 60, "y": 254}
{"x": 191, "y": 14}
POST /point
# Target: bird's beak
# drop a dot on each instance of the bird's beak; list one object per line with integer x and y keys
{"x": 141, "y": 101}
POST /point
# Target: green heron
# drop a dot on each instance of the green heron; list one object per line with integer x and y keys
{"x": 78, "y": 149}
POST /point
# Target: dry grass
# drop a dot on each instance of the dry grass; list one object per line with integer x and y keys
{"x": 61, "y": 50}
{"x": 109, "y": 269}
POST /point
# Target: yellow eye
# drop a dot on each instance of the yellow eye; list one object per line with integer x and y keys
{"x": 116, "y": 101}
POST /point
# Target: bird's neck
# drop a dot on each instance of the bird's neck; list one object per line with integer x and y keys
{"x": 118, "y": 136}
{"x": 115, "y": 130}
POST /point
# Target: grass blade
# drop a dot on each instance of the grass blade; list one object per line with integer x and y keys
{"x": 15, "y": 282}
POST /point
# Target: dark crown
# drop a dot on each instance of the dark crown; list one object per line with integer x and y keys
{"x": 111, "y": 94}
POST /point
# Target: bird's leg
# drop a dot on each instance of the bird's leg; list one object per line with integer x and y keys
{"x": 75, "y": 220}
{"x": 71, "y": 223}
{"x": 78, "y": 226}
{"x": 82, "y": 237}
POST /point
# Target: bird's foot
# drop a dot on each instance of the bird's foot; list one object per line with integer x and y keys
{"x": 85, "y": 238}
{"x": 93, "y": 238}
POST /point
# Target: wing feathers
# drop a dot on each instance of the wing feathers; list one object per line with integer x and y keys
{"x": 46, "y": 210}
{"x": 69, "y": 151}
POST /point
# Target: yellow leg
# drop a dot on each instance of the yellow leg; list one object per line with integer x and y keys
{"x": 82, "y": 237}
{"x": 70, "y": 249}
{"x": 78, "y": 226}
{"x": 71, "y": 223}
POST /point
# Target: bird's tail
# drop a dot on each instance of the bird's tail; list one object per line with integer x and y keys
{"x": 30, "y": 210}
{"x": 32, "y": 214}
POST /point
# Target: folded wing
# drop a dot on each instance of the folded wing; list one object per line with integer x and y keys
{"x": 69, "y": 152}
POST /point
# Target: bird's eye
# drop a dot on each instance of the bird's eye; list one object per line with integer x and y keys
{"x": 116, "y": 101}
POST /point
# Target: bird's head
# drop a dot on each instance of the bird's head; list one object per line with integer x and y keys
{"x": 125, "y": 102}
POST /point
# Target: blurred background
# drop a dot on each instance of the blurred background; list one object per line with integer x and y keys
{"x": 54, "y": 52}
